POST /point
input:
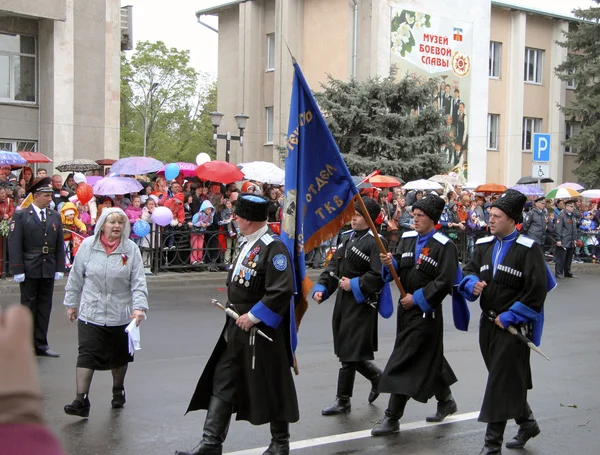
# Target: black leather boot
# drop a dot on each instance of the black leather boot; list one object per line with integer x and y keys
{"x": 494, "y": 434}
{"x": 118, "y": 399}
{"x": 80, "y": 406}
{"x": 280, "y": 439}
{"x": 370, "y": 371}
{"x": 445, "y": 406}
{"x": 528, "y": 428}
{"x": 345, "y": 385}
{"x": 391, "y": 420}
{"x": 216, "y": 426}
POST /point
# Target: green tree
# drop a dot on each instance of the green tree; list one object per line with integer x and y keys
{"x": 385, "y": 124}
{"x": 582, "y": 67}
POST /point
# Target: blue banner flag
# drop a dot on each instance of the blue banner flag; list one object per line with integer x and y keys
{"x": 319, "y": 191}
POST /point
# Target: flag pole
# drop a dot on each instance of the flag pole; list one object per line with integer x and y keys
{"x": 382, "y": 249}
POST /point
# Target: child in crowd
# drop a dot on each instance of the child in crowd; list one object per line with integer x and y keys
{"x": 473, "y": 225}
{"x": 134, "y": 213}
{"x": 200, "y": 221}
{"x": 590, "y": 241}
{"x": 227, "y": 218}
{"x": 84, "y": 215}
{"x": 147, "y": 242}
{"x": 72, "y": 226}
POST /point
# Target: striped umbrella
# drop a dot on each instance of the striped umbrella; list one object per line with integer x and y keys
{"x": 562, "y": 193}
{"x": 572, "y": 185}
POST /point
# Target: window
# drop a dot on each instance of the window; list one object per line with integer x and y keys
{"x": 534, "y": 65}
{"x": 269, "y": 111}
{"x": 572, "y": 84}
{"x": 17, "y": 68}
{"x": 495, "y": 58}
{"x": 571, "y": 130}
{"x": 270, "y": 51}
{"x": 493, "y": 122}
{"x": 18, "y": 146}
{"x": 530, "y": 126}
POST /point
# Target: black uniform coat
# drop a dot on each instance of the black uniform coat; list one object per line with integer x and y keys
{"x": 27, "y": 238}
{"x": 267, "y": 392}
{"x": 417, "y": 366}
{"x": 521, "y": 277}
{"x": 354, "y": 320}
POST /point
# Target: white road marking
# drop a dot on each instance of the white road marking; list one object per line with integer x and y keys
{"x": 336, "y": 438}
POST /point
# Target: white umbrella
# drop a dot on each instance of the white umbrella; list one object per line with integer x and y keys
{"x": 263, "y": 171}
{"x": 422, "y": 185}
{"x": 116, "y": 185}
{"x": 591, "y": 193}
{"x": 446, "y": 180}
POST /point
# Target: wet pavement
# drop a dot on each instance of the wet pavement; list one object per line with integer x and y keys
{"x": 182, "y": 329}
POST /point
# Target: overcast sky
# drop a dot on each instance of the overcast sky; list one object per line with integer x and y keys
{"x": 175, "y": 23}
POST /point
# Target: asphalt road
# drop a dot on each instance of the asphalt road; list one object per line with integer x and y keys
{"x": 182, "y": 329}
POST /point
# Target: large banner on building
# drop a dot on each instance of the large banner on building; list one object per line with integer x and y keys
{"x": 426, "y": 46}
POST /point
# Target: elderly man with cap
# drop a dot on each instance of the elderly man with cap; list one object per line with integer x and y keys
{"x": 427, "y": 263}
{"x": 37, "y": 258}
{"x": 509, "y": 275}
{"x": 246, "y": 373}
{"x": 566, "y": 234}
{"x": 535, "y": 222}
{"x": 356, "y": 269}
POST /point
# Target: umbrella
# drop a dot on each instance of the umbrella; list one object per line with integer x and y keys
{"x": 92, "y": 179}
{"x": 384, "y": 181}
{"x": 423, "y": 185}
{"x": 529, "y": 180}
{"x": 591, "y": 193}
{"x": 490, "y": 188}
{"x": 446, "y": 180}
{"x": 220, "y": 172}
{"x": 263, "y": 171}
{"x": 135, "y": 165}
{"x": 116, "y": 185}
{"x": 185, "y": 169}
{"x": 358, "y": 180}
{"x": 106, "y": 162}
{"x": 573, "y": 186}
{"x": 562, "y": 193}
{"x": 528, "y": 190}
{"x": 34, "y": 157}
{"x": 11, "y": 158}
{"x": 78, "y": 166}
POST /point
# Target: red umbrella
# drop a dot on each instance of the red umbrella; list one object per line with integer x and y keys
{"x": 220, "y": 172}
{"x": 34, "y": 157}
{"x": 490, "y": 188}
{"x": 384, "y": 181}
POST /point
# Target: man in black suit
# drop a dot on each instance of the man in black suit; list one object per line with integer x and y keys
{"x": 37, "y": 258}
{"x": 455, "y": 105}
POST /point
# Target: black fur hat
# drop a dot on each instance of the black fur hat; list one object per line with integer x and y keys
{"x": 372, "y": 206}
{"x": 511, "y": 202}
{"x": 252, "y": 207}
{"x": 432, "y": 205}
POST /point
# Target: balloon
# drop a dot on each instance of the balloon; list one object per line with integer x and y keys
{"x": 79, "y": 178}
{"x": 141, "y": 228}
{"x": 171, "y": 171}
{"x": 84, "y": 192}
{"x": 202, "y": 158}
{"x": 162, "y": 216}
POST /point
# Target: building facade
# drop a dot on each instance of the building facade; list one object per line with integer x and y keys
{"x": 60, "y": 77}
{"x": 509, "y": 89}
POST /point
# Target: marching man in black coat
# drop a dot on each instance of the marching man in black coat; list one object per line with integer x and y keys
{"x": 509, "y": 274}
{"x": 247, "y": 374}
{"x": 357, "y": 273}
{"x": 427, "y": 264}
{"x": 36, "y": 251}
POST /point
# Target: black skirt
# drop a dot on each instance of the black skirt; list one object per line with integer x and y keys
{"x": 102, "y": 347}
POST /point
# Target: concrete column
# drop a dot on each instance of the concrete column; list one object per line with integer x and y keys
{"x": 514, "y": 101}
{"x": 556, "y": 119}
{"x": 112, "y": 109}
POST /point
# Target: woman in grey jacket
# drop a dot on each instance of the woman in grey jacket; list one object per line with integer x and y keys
{"x": 105, "y": 290}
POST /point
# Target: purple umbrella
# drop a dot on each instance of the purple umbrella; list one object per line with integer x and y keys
{"x": 92, "y": 179}
{"x": 109, "y": 186}
{"x": 528, "y": 190}
{"x": 135, "y": 165}
{"x": 11, "y": 158}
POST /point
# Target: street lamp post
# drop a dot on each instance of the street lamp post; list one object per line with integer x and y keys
{"x": 153, "y": 87}
{"x": 240, "y": 119}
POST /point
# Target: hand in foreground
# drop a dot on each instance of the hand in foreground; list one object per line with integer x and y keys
{"x": 345, "y": 284}
{"x": 72, "y": 314}
{"x": 498, "y": 322}
{"x": 318, "y": 297}
{"x": 386, "y": 259}
{"x": 244, "y": 322}
{"x": 407, "y": 302}
{"x": 479, "y": 287}
{"x": 139, "y": 316}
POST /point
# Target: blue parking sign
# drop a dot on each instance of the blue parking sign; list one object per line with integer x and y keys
{"x": 541, "y": 148}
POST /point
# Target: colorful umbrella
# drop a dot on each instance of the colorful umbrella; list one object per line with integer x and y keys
{"x": 490, "y": 188}
{"x": 34, "y": 157}
{"x": 78, "y": 166}
{"x": 591, "y": 193}
{"x": 422, "y": 184}
{"x": 109, "y": 186}
{"x": 185, "y": 169}
{"x": 263, "y": 171}
{"x": 573, "y": 186}
{"x": 135, "y": 165}
{"x": 562, "y": 193}
{"x": 220, "y": 172}
{"x": 11, "y": 158}
{"x": 528, "y": 190}
{"x": 384, "y": 181}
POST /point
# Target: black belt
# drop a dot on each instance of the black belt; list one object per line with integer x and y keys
{"x": 41, "y": 249}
